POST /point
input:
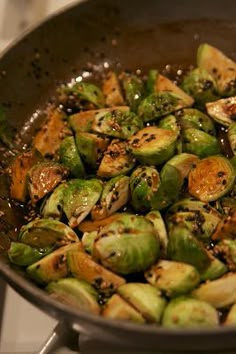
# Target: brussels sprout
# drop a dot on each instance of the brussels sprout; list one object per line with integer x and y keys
{"x": 225, "y": 205}
{"x": 18, "y": 171}
{"x": 127, "y": 245}
{"x": 193, "y": 118}
{"x": 202, "y": 224}
{"x": 114, "y": 196}
{"x": 134, "y": 89}
{"x": 80, "y": 197}
{"x": 233, "y": 162}
{"x": 222, "y": 68}
{"x": 82, "y": 266}
{"x": 199, "y": 143}
{"x": 159, "y": 104}
{"x": 91, "y": 147}
{"x": 185, "y": 312}
{"x": 155, "y": 217}
{"x": 227, "y": 250}
{"x": 231, "y": 316}
{"x": 70, "y": 157}
{"x": 144, "y": 183}
{"x": 171, "y": 183}
{"x": 232, "y": 137}
{"x": 169, "y": 122}
{"x": 48, "y": 139}
{"x": 190, "y": 204}
{"x": 173, "y": 278}
{"x": 52, "y": 207}
{"x": 85, "y": 91}
{"x": 95, "y": 225}
{"x": 151, "y": 81}
{"x": 145, "y": 298}
{"x": 226, "y": 227}
{"x": 53, "y": 266}
{"x": 223, "y": 111}
{"x": 83, "y": 121}
{"x": 184, "y": 247}
{"x": 112, "y": 90}
{"x": 215, "y": 270}
{"x": 88, "y": 239}
{"x": 117, "y": 123}
{"x": 219, "y": 293}
{"x": 43, "y": 178}
{"x": 116, "y": 160}
{"x": 163, "y": 84}
{"x": 199, "y": 84}
{"x": 41, "y": 233}
{"x": 153, "y": 145}
{"x": 76, "y": 293}
{"x": 24, "y": 255}
{"x": 183, "y": 163}
{"x": 211, "y": 178}
{"x": 119, "y": 309}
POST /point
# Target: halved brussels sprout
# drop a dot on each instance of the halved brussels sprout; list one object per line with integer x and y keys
{"x": 114, "y": 196}
{"x": 88, "y": 239}
{"x": 91, "y": 147}
{"x": 211, "y": 178}
{"x": 43, "y": 178}
{"x": 117, "y": 123}
{"x": 145, "y": 298}
{"x": 219, "y": 293}
{"x": 222, "y": 68}
{"x": 133, "y": 88}
{"x": 185, "y": 312}
{"x": 18, "y": 171}
{"x": 82, "y": 266}
{"x": 199, "y": 84}
{"x": 226, "y": 248}
{"x": 76, "y": 293}
{"x": 24, "y": 255}
{"x": 53, "y": 266}
{"x": 232, "y": 137}
{"x": 199, "y": 143}
{"x": 85, "y": 91}
{"x": 144, "y": 183}
{"x": 231, "y": 316}
{"x": 112, "y": 90}
{"x": 70, "y": 157}
{"x": 52, "y": 207}
{"x": 79, "y": 199}
{"x": 193, "y": 118}
{"x": 116, "y": 160}
{"x": 202, "y": 224}
{"x": 184, "y": 247}
{"x": 127, "y": 245}
{"x": 163, "y": 84}
{"x": 170, "y": 187}
{"x": 119, "y": 309}
{"x": 160, "y": 104}
{"x": 169, "y": 122}
{"x": 41, "y": 233}
{"x": 95, "y": 225}
{"x": 155, "y": 217}
{"x": 190, "y": 204}
{"x": 223, "y": 111}
{"x": 152, "y": 145}
{"x": 48, "y": 139}
{"x": 226, "y": 227}
{"x": 215, "y": 270}
{"x": 183, "y": 163}
{"x": 173, "y": 278}
{"x": 83, "y": 121}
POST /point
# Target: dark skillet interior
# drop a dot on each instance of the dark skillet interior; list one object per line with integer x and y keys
{"x": 127, "y": 34}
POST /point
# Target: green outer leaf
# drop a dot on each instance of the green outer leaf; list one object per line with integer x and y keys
{"x": 193, "y": 118}
{"x": 24, "y": 255}
{"x": 70, "y": 157}
{"x": 86, "y": 91}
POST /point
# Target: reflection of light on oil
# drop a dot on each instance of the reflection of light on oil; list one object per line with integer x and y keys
{"x": 86, "y": 74}
{"x": 79, "y": 79}
{"x": 106, "y": 65}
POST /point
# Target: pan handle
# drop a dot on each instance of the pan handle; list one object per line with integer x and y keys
{"x": 63, "y": 339}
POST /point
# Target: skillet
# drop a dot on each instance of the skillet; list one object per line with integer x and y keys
{"x": 130, "y": 34}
